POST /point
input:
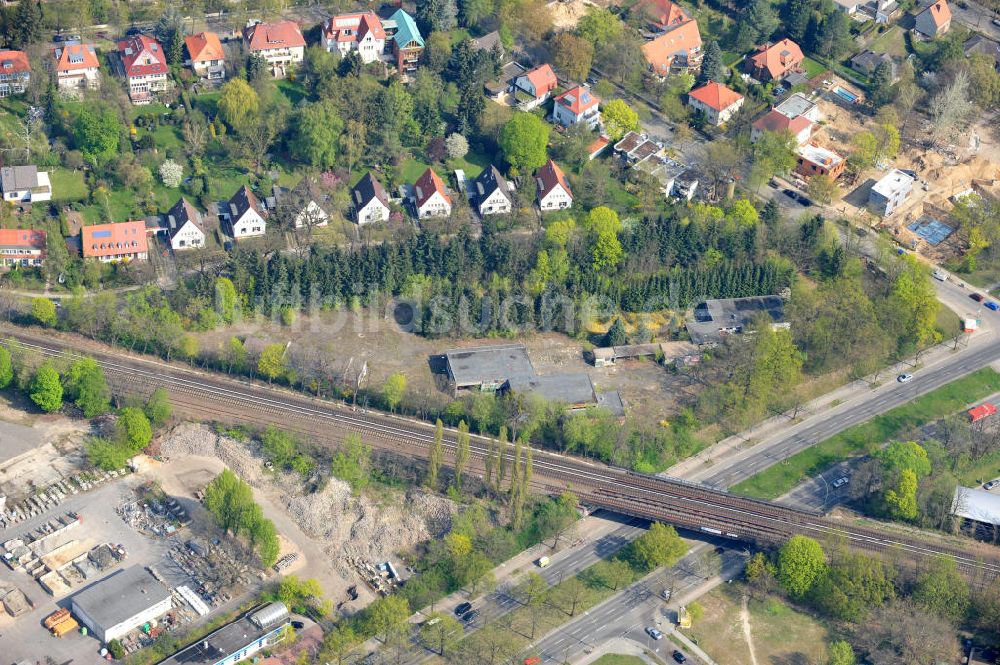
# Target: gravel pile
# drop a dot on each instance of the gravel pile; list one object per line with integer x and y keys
{"x": 200, "y": 440}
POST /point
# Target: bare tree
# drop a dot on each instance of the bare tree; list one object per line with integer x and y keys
{"x": 950, "y": 108}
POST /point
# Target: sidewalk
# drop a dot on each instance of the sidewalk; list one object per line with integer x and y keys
{"x": 620, "y": 646}
{"x": 842, "y": 398}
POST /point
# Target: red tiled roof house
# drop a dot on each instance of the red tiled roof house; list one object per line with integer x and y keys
{"x": 553, "y": 190}
{"x": 771, "y": 62}
{"x": 717, "y": 102}
{"x": 430, "y": 196}
{"x": 678, "y": 49}
{"x": 577, "y": 105}
{"x": 21, "y": 248}
{"x": 77, "y": 67}
{"x": 15, "y": 72}
{"x": 935, "y": 20}
{"x": 280, "y": 44}
{"x": 532, "y": 88}
{"x": 145, "y": 67}
{"x": 121, "y": 241}
{"x": 361, "y": 32}
{"x": 205, "y": 56}
{"x": 775, "y": 121}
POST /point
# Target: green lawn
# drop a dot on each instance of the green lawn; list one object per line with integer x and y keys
{"x": 617, "y": 659}
{"x": 208, "y": 103}
{"x": 891, "y": 42}
{"x": 294, "y": 90}
{"x": 781, "y": 478}
{"x": 156, "y": 108}
{"x": 409, "y": 170}
{"x": 67, "y": 185}
{"x": 813, "y": 68}
{"x": 121, "y": 206}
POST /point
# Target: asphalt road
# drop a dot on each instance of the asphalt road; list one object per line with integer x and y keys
{"x": 977, "y": 17}
{"x": 627, "y": 614}
{"x": 981, "y": 350}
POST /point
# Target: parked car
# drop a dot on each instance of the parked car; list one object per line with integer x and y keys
{"x": 470, "y": 616}
{"x": 665, "y": 594}
{"x": 678, "y": 656}
{"x": 990, "y": 485}
{"x": 462, "y": 609}
{"x": 939, "y": 275}
{"x": 992, "y": 305}
{"x": 840, "y": 482}
{"x": 804, "y": 200}
{"x": 654, "y": 633}
{"x": 996, "y": 21}
{"x": 904, "y": 378}
{"x": 978, "y": 297}
{"x": 298, "y": 625}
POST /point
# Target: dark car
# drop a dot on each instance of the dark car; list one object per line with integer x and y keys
{"x": 804, "y": 200}
{"x": 462, "y": 609}
{"x": 678, "y": 656}
{"x": 720, "y": 550}
{"x": 133, "y": 31}
{"x": 790, "y": 193}
{"x": 470, "y": 616}
{"x": 978, "y": 297}
{"x": 992, "y": 305}
{"x": 298, "y": 625}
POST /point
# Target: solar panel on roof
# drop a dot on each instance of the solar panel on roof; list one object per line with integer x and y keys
{"x": 102, "y": 234}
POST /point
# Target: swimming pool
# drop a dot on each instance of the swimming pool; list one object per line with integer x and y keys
{"x": 846, "y": 95}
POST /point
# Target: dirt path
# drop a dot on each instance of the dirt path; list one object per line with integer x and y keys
{"x": 745, "y": 620}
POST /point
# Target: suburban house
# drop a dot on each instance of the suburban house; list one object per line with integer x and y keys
{"x": 577, "y": 105}
{"x": 534, "y": 87}
{"x": 430, "y": 196}
{"x": 15, "y": 72}
{"x": 889, "y": 193}
{"x": 21, "y": 248}
{"x": 311, "y": 214}
{"x": 144, "y": 66}
{"x": 280, "y": 44}
{"x": 771, "y": 62}
{"x": 816, "y": 160}
{"x": 492, "y": 193}
{"x": 370, "y": 200}
{"x": 205, "y": 56}
{"x": 849, "y": 7}
{"x": 553, "y": 190}
{"x": 774, "y": 120}
{"x": 661, "y": 14}
{"x": 488, "y": 42}
{"x": 406, "y": 42}
{"x": 678, "y": 49}
{"x": 867, "y": 61}
{"x": 24, "y": 184}
{"x": 185, "y": 226}
{"x": 246, "y": 217}
{"x": 717, "y": 102}
{"x": 642, "y": 155}
{"x": 597, "y": 147}
{"x": 979, "y": 44}
{"x": 120, "y": 241}
{"x": 361, "y": 32}
{"x": 934, "y": 21}
{"x": 77, "y": 67}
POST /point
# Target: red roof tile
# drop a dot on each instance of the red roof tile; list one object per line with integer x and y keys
{"x": 549, "y": 176}
{"x": 14, "y": 61}
{"x": 112, "y": 239}
{"x": 75, "y": 56}
{"x": 716, "y": 96}
{"x": 682, "y": 39}
{"x": 142, "y": 56}
{"x": 22, "y": 239}
{"x": 939, "y": 12}
{"x": 777, "y": 58}
{"x": 775, "y": 121}
{"x": 283, "y": 34}
{"x": 427, "y": 184}
{"x": 578, "y": 99}
{"x": 663, "y": 13}
{"x": 204, "y": 46}
{"x": 353, "y": 27}
{"x": 543, "y": 78}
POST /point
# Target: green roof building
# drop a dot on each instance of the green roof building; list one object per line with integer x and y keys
{"x": 407, "y": 42}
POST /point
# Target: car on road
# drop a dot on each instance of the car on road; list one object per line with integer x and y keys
{"x": 665, "y": 594}
{"x": 990, "y": 485}
{"x": 904, "y": 378}
{"x": 939, "y": 275}
{"x": 470, "y": 616}
{"x": 992, "y": 305}
{"x": 654, "y": 633}
{"x": 978, "y": 297}
{"x": 996, "y": 22}
{"x": 462, "y": 609}
{"x": 298, "y": 625}
{"x": 678, "y": 656}
{"x": 840, "y": 482}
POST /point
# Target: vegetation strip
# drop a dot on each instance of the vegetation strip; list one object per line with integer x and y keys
{"x": 781, "y": 478}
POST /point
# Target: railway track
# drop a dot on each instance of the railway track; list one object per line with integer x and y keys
{"x": 215, "y": 398}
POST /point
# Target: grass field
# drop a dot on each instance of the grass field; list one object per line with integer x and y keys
{"x": 781, "y": 478}
{"x": 617, "y": 659}
{"x": 813, "y": 68}
{"x": 780, "y": 633}
{"x": 891, "y": 42}
{"x": 67, "y": 185}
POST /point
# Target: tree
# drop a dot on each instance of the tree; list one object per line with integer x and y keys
{"x": 760, "y": 575}
{"x": 393, "y": 390}
{"x": 238, "y": 104}
{"x": 96, "y": 134}
{"x": 46, "y": 391}
{"x": 569, "y": 594}
{"x": 133, "y": 429}
{"x": 225, "y": 299}
{"x": 6, "y": 368}
{"x": 773, "y": 154}
{"x": 599, "y": 26}
{"x": 87, "y": 386}
{"x": 26, "y": 25}
{"x": 106, "y": 455}
{"x": 943, "y": 591}
{"x": 756, "y": 25}
{"x": 865, "y": 151}
{"x": 318, "y": 129}
{"x": 555, "y": 518}
{"x": 797, "y": 16}
{"x": 351, "y": 463}
{"x": 523, "y": 140}
{"x": 436, "y": 15}
{"x": 441, "y": 632}
{"x": 472, "y": 12}
{"x": 822, "y": 188}
{"x": 901, "y": 499}
{"x": 619, "y": 119}
{"x": 171, "y": 173}
{"x": 607, "y": 251}
{"x": 950, "y": 108}
{"x": 458, "y": 146}
{"x": 984, "y": 81}
{"x": 904, "y": 634}
{"x": 298, "y": 595}
{"x": 158, "y": 407}
{"x": 43, "y": 310}
{"x": 272, "y": 361}
{"x": 659, "y": 546}
{"x": 712, "y": 66}
{"x": 461, "y": 452}
{"x": 880, "y": 90}
{"x": 436, "y": 456}
{"x": 572, "y": 55}
{"x": 339, "y": 644}
{"x": 386, "y": 616}
{"x": 800, "y": 563}
{"x": 616, "y": 335}
{"x": 841, "y": 653}
{"x": 532, "y": 591}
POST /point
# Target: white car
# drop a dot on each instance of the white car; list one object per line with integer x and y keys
{"x": 654, "y": 633}
{"x": 840, "y": 482}
{"x": 904, "y": 378}
{"x": 990, "y": 485}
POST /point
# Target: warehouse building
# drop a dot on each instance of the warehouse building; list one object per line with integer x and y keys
{"x": 256, "y": 630}
{"x": 121, "y": 602}
{"x": 715, "y": 319}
